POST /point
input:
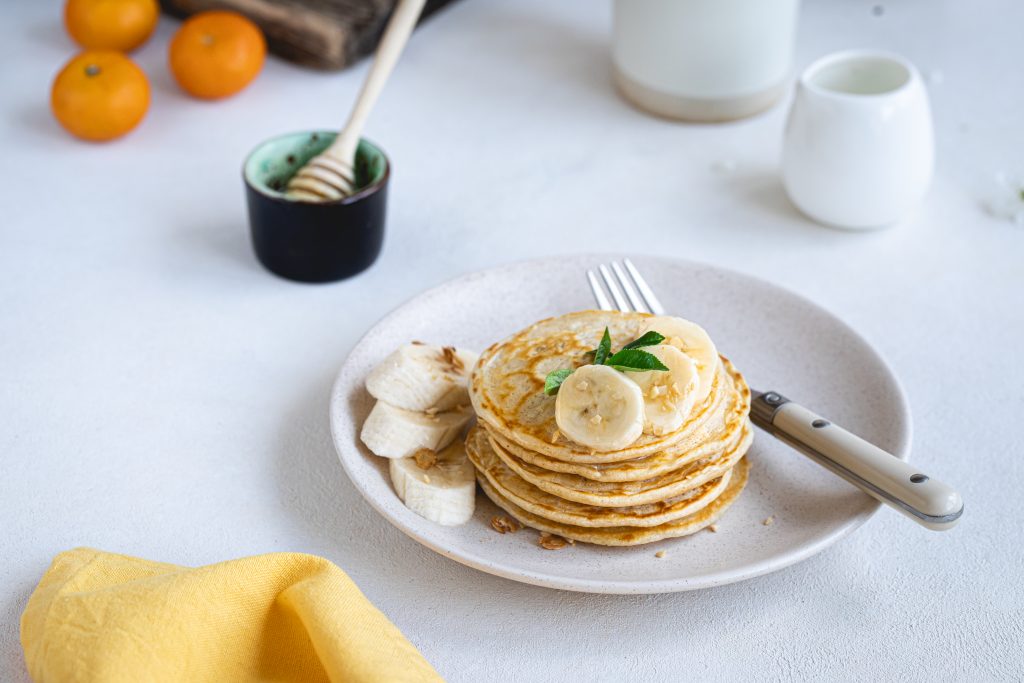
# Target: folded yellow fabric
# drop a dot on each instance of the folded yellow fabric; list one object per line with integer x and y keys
{"x": 97, "y": 616}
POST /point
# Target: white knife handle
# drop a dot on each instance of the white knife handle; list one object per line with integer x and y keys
{"x": 927, "y": 501}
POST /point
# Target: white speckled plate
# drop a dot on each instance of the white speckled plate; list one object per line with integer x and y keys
{"x": 778, "y": 340}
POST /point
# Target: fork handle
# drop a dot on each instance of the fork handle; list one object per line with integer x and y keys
{"x": 927, "y": 501}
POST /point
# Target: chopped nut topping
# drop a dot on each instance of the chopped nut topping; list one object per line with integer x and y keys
{"x": 768, "y": 521}
{"x": 556, "y": 436}
{"x": 596, "y": 420}
{"x": 416, "y": 342}
{"x": 431, "y": 411}
{"x": 582, "y": 385}
{"x": 657, "y": 390}
{"x": 713, "y": 528}
{"x": 551, "y": 542}
{"x": 425, "y": 458}
{"x": 452, "y": 359}
{"x": 426, "y": 479}
{"x": 504, "y": 525}
{"x": 660, "y": 554}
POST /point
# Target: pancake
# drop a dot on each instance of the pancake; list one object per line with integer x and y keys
{"x": 536, "y": 501}
{"x": 660, "y": 486}
{"x": 629, "y": 493}
{"x": 705, "y": 436}
{"x": 507, "y": 384}
{"x": 626, "y": 535}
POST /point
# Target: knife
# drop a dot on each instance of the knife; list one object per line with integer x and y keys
{"x": 880, "y": 474}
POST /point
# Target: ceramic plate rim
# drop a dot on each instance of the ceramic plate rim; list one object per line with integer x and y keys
{"x": 612, "y": 586}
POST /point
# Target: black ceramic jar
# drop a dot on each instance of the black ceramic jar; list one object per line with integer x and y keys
{"x": 314, "y": 241}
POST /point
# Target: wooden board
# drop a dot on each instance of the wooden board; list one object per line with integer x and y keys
{"x": 323, "y": 34}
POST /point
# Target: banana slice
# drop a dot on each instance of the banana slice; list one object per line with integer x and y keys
{"x": 600, "y": 408}
{"x": 392, "y": 432}
{"x": 691, "y": 339}
{"x": 421, "y": 377}
{"x": 669, "y": 396}
{"x": 444, "y": 491}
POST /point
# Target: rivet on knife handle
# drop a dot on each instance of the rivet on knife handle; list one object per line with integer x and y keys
{"x": 899, "y": 484}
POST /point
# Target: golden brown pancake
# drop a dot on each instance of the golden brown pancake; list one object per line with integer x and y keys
{"x": 625, "y": 493}
{"x": 626, "y": 535}
{"x": 657, "y": 487}
{"x": 707, "y": 434}
{"x": 543, "y": 504}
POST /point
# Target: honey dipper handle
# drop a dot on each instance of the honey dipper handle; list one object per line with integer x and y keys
{"x": 396, "y": 35}
{"x": 897, "y": 483}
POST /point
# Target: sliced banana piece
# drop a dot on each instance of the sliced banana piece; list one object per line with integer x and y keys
{"x": 599, "y": 408}
{"x": 669, "y": 396}
{"x": 444, "y": 492}
{"x": 392, "y": 432}
{"x": 421, "y": 377}
{"x": 691, "y": 339}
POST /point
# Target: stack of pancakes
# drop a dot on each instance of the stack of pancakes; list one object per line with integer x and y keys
{"x": 658, "y": 487}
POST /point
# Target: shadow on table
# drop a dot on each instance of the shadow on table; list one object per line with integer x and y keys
{"x": 315, "y": 490}
{"x": 217, "y": 246}
{"x": 51, "y": 33}
{"x": 35, "y": 119}
{"x": 764, "y": 191}
{"x": 12, "y": 659}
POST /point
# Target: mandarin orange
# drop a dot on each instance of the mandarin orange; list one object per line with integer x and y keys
{"x": 111, "y": 24}
{"x": 100, "y": 95}
{"x": 216, "y": 54}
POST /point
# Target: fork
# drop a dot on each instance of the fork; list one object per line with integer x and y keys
{"x": 880, "y": 474}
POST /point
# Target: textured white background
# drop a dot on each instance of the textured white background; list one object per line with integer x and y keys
{"x": 161, "y": 395}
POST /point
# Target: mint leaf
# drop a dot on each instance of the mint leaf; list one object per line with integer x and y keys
{"x": 635, "y": 360}
{"x": 652, "y": 338}
{"x": 603, "y": 349}
{"x": 554, "y": 380}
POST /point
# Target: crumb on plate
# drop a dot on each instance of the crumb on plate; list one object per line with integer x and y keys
{"x": 551, "y": 541}
{"x": 504, "y": 525}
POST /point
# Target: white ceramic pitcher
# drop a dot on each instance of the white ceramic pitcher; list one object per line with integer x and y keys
{"x": 859, "y": 149}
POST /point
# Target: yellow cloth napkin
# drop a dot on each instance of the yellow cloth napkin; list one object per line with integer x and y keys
{"x": 97, "y": 616}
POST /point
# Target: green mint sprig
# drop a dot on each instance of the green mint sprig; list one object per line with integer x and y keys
{"x": 630, "y": 359}
{"x": 603, "y": 349}
{"x": 651, "y": 338}
{"x": 635, "y": 360}
{"x": 554, "y": 380}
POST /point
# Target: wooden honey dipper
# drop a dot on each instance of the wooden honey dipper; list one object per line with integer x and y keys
{"x": 331, "y": 175}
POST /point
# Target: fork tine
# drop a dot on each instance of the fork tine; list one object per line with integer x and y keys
{"x": 645, "y": 289}
{"x": 609, "y": 281}
{"x": 627, "y": 286}
{"x": 602, "y": 299}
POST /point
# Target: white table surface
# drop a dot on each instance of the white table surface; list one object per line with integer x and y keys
{"x": 163, "y": 396}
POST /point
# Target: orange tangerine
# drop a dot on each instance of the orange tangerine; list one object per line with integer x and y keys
{"x": 100, "y": 95}
{"x": 216, "y": 54}
{"x": 111, "y": 24}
